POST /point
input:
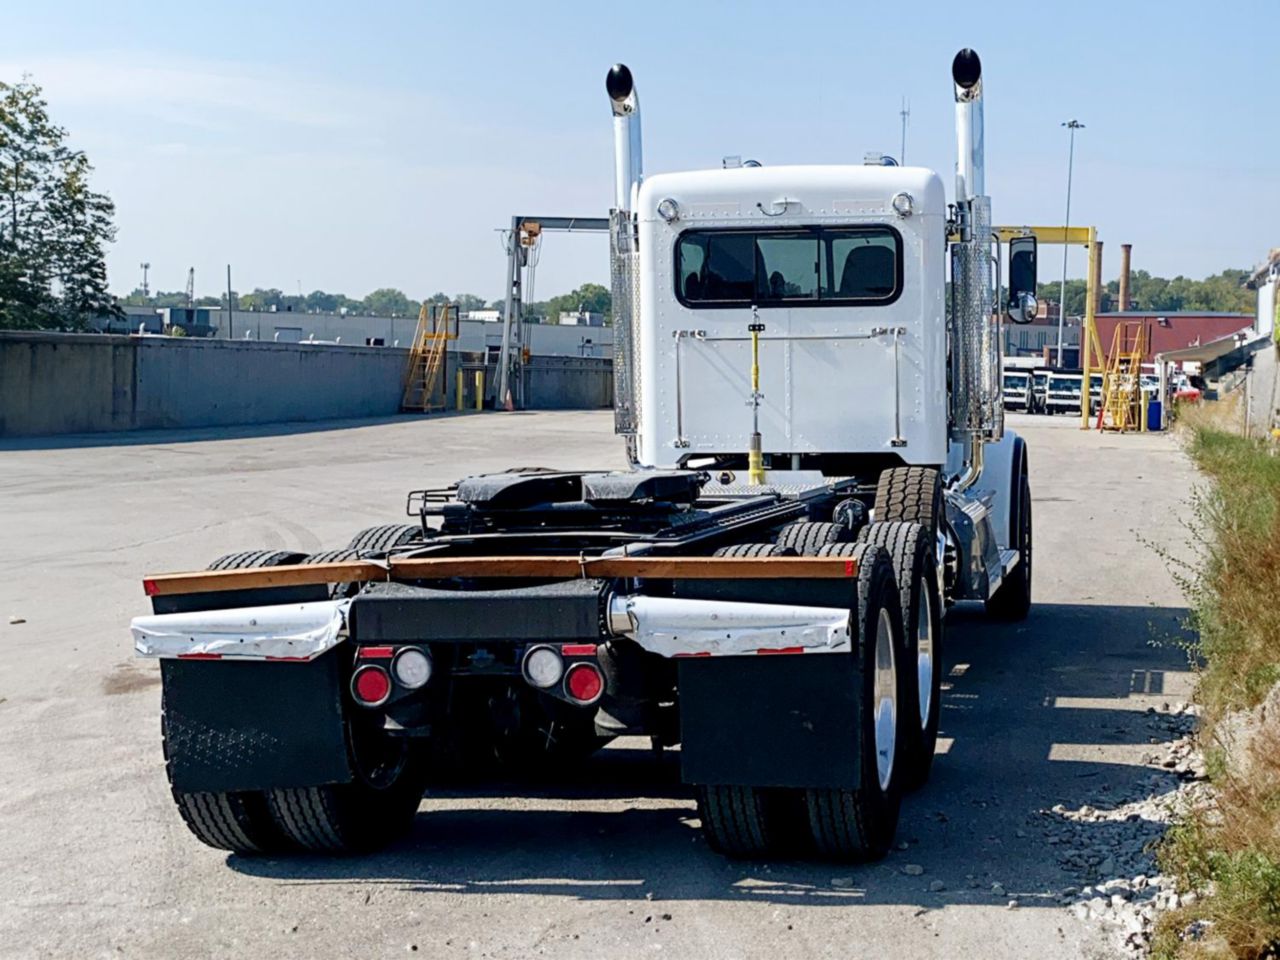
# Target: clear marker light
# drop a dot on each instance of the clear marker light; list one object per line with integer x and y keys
{"x": 412, "y": 668}
{"x": 543, "y": 667}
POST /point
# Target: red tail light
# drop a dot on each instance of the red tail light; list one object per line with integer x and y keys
{"x": 584, "y": 683}
{"x": 371, "y": 686}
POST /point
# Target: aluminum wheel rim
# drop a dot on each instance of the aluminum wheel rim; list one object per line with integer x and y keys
{"x": 884, "y": 695}
{"x": 924, "y": 655}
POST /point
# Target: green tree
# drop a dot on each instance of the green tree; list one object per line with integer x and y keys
{"x": 389, "y": 302}
{"x": 169, "y": 298}
{"x": 53, "y": 226}
{"x": 322, "y": 302}
{"x": 81, "y": 225}
{"x": 590, "y": 297}
{"x": 261, "y": 299}
{"x": 1223, "y": 292}
{"x": 468, "y": 301}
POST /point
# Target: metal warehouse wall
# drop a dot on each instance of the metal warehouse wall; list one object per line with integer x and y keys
{"x": 1034, "y": 337}
{"x": 542, "y": 339}
{"x": 52, "y": 383}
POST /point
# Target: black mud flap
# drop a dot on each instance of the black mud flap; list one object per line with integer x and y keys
{"x": 237, "y": 725}
{"x": 785, "y": 720}
{"x": 780, "y": 720}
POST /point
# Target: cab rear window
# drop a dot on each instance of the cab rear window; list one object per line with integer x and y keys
{"x": 844, "y": 266}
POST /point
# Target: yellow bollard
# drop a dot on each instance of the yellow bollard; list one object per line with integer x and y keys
{"x": 479, "y": 389}
{"x": 458, "y": 382}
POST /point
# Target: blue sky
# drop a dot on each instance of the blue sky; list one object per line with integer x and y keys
{"x": 350, "y": 146}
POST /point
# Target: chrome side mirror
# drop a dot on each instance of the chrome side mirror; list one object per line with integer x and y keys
{"x": 1023, "y": 308}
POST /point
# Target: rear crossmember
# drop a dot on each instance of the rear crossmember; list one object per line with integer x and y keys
{"x": 565, "y": 568}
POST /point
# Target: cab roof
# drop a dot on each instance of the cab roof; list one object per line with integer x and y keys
{"x": 793, "y": 193}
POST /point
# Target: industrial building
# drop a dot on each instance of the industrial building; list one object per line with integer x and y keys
{"x": 1166, "y": 331}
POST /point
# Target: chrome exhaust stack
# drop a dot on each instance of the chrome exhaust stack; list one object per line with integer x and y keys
{"x": 628, "y": 165}
{"x": 977, "y": 413}
{"x": 628, "y": 168}
{"x": 966, "y": 74}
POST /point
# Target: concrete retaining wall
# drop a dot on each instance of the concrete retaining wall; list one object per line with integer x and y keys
{"x": 568, "y": 383}
{"x": 1263, "y": 386}
{"x": 54, "y": 383}
{"x": 65, "y": 383}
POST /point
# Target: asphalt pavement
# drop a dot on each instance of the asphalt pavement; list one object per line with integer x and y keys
{"x": 95, "y": 861}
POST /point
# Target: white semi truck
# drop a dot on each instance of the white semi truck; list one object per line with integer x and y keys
{"x": 819, "y": 468}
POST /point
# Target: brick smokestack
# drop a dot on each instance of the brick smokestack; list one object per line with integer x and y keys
{"x": 1125, "y": 249}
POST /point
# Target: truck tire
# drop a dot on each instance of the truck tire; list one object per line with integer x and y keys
{"x": 859, "y": 823}
{"x": 755, "y": 550}
{"x": 916, "y": 571}
{"x": 337, "y": 591}
{"x": 256, "y": 558}
{"x": 386, "y": 537}
{"x": 806, "y": 539}
{"x": 375, "y": 808}
{"x": 910, "y": 493}
{"x": 735, "y": 820}
{"x": 1012, "y": 600}
{"x": 238, "y": 821}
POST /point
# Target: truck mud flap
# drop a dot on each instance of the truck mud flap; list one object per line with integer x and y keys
{"x": 233, "y": 725}
{"x": 780, "y": 721}
{"x": 786, "y": 720}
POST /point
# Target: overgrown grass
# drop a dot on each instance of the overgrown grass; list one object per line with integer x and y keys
{"x": 1230, "y": 851}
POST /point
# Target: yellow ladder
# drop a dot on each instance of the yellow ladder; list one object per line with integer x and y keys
{"x": 426, "y": 356}
{"x": 1122, "y": 406}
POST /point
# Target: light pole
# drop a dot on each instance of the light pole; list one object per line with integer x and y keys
{"x": 1072, "y": 126}
{"x": 905, "y": 114}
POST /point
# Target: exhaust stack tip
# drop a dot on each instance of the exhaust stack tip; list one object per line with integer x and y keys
{"x": 619, "y": 82}
{"x": 966, "y": 69}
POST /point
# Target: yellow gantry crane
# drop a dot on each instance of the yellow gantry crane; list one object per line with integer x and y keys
{"x": 1087, "y": 237}
{"x": 437, "y": 325}
{"x": 1123, "y": 402}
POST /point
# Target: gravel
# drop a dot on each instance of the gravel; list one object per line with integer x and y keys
{"x": 1122, "y": 889}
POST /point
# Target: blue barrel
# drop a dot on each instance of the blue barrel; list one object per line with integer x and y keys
{"x": 1153, "y": 414}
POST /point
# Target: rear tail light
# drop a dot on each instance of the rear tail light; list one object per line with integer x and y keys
{"x": 584, "y": 683}
{"x": 543, "y": 667}
{"x": 371, "y": 686}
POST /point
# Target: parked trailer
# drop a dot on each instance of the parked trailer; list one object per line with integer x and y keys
{"x": 765, "y": 585}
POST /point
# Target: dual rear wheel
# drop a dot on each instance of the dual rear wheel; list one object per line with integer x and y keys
{"x": 847, "y": 823}
{"x": 375, "y": 807}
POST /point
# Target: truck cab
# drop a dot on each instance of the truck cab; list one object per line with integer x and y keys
{"x": 1039, "y": 389}
{"x": 842, "y": 268}
{"x": 1017, "y": 390}
{"x": 1062, "y": 393}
